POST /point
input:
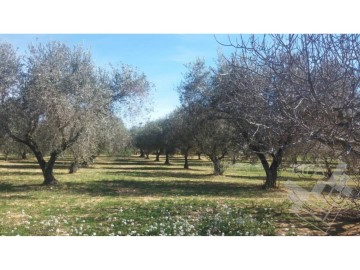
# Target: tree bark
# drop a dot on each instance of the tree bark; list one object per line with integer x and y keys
{"x": 46, "y": 167}
{"x": 49, "y": 178}
{"x": 142, "y": 153}
{"x": 217, "y": 165}
{"x": 167, "y": 160}
{"x": 74, "y": 167}
{"x": 272, "y": 170}
{"x": 186, "y": 163}
{"x": 157, "y": 156}
{"x": 199, "y": 156}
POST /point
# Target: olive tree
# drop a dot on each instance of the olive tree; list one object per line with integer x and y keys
{"x": 183, "y": 133}
{"x": 251, "y": 103}
{"x": 212, "y": 133}
{"x": 149, "y": 139}
{"x": 61, "y": 96}
{"x": 317, "y": 78}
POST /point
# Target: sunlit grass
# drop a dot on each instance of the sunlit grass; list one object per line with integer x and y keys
{"x": 135, "y": 196}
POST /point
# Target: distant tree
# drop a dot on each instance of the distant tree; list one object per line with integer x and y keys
{"x": 213, "y": 135}
{"x": 149, "y": 139}
{"x": 114, "y": 137}
{"x": 215, "y": 138}
{"x": 183, "y": 133}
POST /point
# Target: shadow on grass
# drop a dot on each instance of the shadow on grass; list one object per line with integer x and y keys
{"x": 127, "y": 188}
{"x": 172, "y": 167}
{"x": 28, "y": 165}
{"x": 150, "y": 162}
{"x": 280, "y": 178}
{"x": 8, "y": 187}
{"x": 15, "y": 197}
{"x": 161, "y": 174}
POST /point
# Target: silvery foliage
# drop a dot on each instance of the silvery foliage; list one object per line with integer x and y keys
{"x": 9, "y": 69}
{"x": 59, "y": 97}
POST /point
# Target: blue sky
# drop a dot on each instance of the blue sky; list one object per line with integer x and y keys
{"x": 160, "y": 56}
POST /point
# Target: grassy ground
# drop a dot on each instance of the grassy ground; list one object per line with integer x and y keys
{"x": 134, "y": 196}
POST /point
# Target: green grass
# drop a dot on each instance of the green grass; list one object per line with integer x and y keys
{"x": 134, "y": 196}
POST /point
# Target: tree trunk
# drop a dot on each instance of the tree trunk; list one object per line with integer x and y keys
{"x": 294, "y": 158}
{"x": 23, "y": 155}
{"x": 46, "y": 167}
{"x": 49, "y": 178}
{"x": 272, "y": 170}
{"x": 142, "y": 153}
{"x": 186, "y": 164}
{"x": 233, "y": 160}
{"x": 6, "y": 155}
{"x": 167, "y": 160}
{"x": 74, "y": 167}
{"x": 157, "y": 156}
{"x": 199, "y": 156}
{"x": 328, "y": 173}
{"x": 147, "y": 156}
{"x": 217, "y": 166}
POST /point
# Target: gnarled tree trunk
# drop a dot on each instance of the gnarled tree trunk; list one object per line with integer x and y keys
{"x": 271, "y": 170}
{"x": 217, "y": 165}
{"x": 49, "y": 178}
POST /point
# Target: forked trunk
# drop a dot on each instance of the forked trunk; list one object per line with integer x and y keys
{"x": 46, "y": 167}
{"x": 271, "y": 178}
{"x": 272, "y": 170}
{"x": 49, "y": 178}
